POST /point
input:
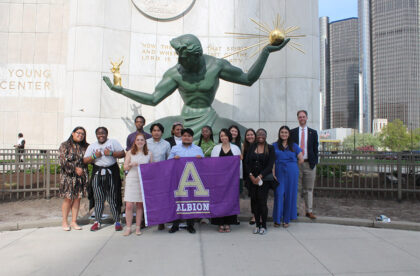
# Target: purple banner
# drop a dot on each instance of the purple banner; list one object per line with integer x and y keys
{"x": 190, "y": 188}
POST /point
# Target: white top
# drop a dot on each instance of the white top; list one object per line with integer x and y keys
{"x": 235, "y": 151}
{"x": 178, "y": 140}
{"x": 217, "y": 148}
{"x": 104, "y": 161}
{"x": 20, "y": 141}
{"x": 305, "y": 128}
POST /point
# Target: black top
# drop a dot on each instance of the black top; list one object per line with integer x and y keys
{"x": 171, "y": 141}
{"x": 259, "y": 163}
{"x": 222, "y": 153}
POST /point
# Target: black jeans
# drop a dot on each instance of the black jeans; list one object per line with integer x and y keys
{"x": 190, "y": 222}
{"x": 259, "y": 196}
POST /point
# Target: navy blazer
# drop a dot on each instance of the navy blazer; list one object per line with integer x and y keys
{"x": 312, "y": 146}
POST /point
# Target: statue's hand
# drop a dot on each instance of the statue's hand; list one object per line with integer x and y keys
{"x": 111, "y": 86}
{"x": 272, "y": 48}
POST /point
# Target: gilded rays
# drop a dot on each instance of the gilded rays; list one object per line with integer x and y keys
{"x": 269, "y": 36}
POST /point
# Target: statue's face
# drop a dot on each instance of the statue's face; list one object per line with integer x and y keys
{"x": 189, "y": 61}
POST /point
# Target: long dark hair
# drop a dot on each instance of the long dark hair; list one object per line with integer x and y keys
{"x": 227, "y": 133}
{"x": 247, "y": 145}
{"x": 201, "y": 135}
{"x": 82, "y": 143}
{"x": 289, "y": 140}
{"x": 238, "y": 138}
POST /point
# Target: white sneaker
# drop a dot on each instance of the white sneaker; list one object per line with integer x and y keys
{"x": 263, "y": 231}
{"x": 256, "y": 230}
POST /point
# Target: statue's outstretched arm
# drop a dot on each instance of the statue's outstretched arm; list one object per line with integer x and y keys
{"x": 234, "y": 74}
{"x": 164, "y": 88}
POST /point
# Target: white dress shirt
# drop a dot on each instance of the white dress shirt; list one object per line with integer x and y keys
{"x": 305, "y": 128}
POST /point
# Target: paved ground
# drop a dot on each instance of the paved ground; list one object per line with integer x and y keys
{"x": 26, "y": 211}
{"x": 302, "y": 249}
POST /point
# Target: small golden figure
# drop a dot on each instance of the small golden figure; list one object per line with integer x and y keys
{"x": 116, "y": 70}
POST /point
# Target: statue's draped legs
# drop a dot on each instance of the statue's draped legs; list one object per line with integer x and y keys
{"x": 196, "y": 118}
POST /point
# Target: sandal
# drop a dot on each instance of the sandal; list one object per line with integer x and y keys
{"x": 221, "y": 229}
{"x": 138, "y": 232}
{"x": 66, "y": 228}
{"x": 127, "y": 231}
{"x": 285, "y": 225}
{"x": 75, "y": 226}
{"x": 276, "y": 225}
{"x": 227, "y": 228}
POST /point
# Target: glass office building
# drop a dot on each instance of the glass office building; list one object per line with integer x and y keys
{"x": 344, "y": 73}
{"x": 393, "y": 58}
{"x": 340, "y": 73}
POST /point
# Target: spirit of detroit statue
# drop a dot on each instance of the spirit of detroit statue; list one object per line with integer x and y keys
{"x": 196, "y": 76}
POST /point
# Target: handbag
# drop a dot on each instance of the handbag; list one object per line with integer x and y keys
{"x": 273, "y": 182}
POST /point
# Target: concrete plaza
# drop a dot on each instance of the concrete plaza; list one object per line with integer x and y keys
{"x": 302, "y": 249}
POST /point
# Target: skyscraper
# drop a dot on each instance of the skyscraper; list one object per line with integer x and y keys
{"x": 390, "y": 61}
{"x": 324, "y": 86}
{"x": 340, "y": 72}
{"x": 344, "y": 73}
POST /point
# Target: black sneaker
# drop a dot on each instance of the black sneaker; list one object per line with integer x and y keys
{"x": 191, "y": 229}
{"x": 173, "y": 229}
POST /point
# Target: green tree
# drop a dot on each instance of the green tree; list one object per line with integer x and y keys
{"x": 415, "y": 139}
{"x": 363, "y": 140}
{"x": 394, "y": 136}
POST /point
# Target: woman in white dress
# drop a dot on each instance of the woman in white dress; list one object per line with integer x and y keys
{"x": 138, "y": 154}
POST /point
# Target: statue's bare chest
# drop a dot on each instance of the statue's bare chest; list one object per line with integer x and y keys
{"x": 207, "y": 81}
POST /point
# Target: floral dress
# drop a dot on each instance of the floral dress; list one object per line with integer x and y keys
{"x": 72, "y": 186}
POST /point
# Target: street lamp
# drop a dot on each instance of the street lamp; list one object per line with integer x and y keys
{"x": 411, "y": 130}
{"x": 354, "y": 140}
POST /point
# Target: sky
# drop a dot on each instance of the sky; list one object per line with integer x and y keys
{"x": 338, "y": 9}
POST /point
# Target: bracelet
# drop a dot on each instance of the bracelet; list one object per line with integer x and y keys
{"x": 94, "y": 156}
{"x": 111, "y": 153}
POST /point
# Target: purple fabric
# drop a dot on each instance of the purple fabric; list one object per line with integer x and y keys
{"x": 165, "y": 201}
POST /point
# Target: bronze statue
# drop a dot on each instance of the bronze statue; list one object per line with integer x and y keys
{"x": 196, "y": 76}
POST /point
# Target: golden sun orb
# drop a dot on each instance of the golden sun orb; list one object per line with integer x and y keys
{"x": 276, "y": 37}
{"x": 269, "y": 36}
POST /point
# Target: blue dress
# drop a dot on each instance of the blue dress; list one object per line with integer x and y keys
{"x": 287, "y": 173}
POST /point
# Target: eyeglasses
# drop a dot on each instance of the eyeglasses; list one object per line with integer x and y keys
{"x": 80, "y": 133}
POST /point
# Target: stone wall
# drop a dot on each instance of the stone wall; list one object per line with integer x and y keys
{"x": 33, "y": 53}
{"x": 100, "y": 30}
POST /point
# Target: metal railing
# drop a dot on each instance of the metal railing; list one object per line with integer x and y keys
{"x": 384, "y": 175}
{"x": 33, "y": 173}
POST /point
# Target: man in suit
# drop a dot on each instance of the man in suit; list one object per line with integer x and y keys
{"x": 307, "y": 139}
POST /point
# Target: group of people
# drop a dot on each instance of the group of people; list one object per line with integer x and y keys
{"x": 280, "y": 166}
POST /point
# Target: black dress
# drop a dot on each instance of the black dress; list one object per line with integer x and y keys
{"x": 228, "y": 219}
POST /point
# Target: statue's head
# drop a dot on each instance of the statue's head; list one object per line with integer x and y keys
{"x": 189, "y": 50}
{"x": 187, "y": 44}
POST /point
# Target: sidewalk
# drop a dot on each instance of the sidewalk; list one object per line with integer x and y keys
{"x": 302, "y": 249}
